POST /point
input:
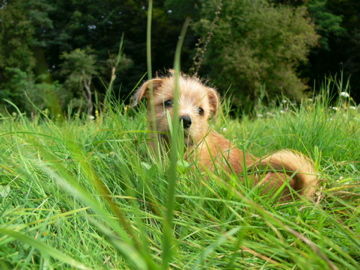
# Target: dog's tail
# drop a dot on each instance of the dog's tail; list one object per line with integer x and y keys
{"x": 299, "y": 167}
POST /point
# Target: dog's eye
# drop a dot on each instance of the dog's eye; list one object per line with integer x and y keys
{"x": 201, "y": 111}
{"x": 168, "y": 103}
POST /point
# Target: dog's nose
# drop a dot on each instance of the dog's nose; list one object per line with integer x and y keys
{"x": 186, "y": 121}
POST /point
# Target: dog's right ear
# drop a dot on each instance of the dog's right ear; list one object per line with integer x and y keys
{"x": 144, "y": 90}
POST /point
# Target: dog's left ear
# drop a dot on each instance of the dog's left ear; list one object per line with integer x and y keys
{"x": 143, "y": 91}
{"x": 214, "y": 100}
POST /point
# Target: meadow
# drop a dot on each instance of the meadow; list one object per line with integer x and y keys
{"x": 84, "y": 191}
{"x": 88, "y": 194}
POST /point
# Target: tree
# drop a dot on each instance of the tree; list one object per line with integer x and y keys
{"x": 338, "y": 24}
{"x": 79, "y": 67}
{"x": 327, "y": 23}
{"x": 343, "y": 41}
{"x": 100, "y": 25}
{"x": 20, "y": 47}
{"x": 256, "y": 45}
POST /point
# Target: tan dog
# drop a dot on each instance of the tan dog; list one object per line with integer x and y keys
{"x": 197, "y": 103}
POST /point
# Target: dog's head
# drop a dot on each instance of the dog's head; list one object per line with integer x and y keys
{"x": 197, "y": 103}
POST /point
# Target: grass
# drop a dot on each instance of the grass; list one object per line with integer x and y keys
{"x": 85, "y": 193}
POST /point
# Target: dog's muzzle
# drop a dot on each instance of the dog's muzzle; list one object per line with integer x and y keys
{"x": 186, "y": 121}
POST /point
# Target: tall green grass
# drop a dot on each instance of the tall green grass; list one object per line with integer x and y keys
{"x": 89, "y": 194}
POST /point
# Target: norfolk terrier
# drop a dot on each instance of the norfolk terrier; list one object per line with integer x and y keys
{"x": 198, "y": 103}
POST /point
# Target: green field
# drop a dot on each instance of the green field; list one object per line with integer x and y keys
{"x": 82, "y": 193}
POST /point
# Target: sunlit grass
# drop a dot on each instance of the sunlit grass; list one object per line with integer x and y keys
{"x": 87, "y": 193}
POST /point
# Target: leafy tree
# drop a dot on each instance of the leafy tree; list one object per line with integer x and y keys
{"x": 338, "y": 22}
{"x": 248, "y": 45}
{"x": 16, "y": 37}
{"x": 344, "y": 52}
{"x": 32, "y": 94}
{"x": 294, "y": 3}
{"x": 79, "y": 67}
{"x": 181, "y": 9}
{"x": 21, "y": 47}
{"x": 256, "y": 45}
{"x": 326, "y": 22}
{"x": 100, "y": 25}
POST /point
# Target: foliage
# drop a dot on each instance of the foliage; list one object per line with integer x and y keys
{"x": 44, "y": 31}
{"x": 257, "y": 45}
{"x": 327, "y": 23}
{"x": 79, "y": 68}
{"x": 100, "y": 25}
{"x": 181, "y": 9}
{"x": 344, "y": 50}
{"x": 20, "y": 21}
{"x": 338, "y": 24}
{"x": 32, "y": 94}
{"x": 22, "y": 26}
{"x": 16, "y": 39}
{"x": 259, "y": 50}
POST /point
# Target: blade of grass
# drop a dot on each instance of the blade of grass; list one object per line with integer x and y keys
{"x": 168, "y": 242}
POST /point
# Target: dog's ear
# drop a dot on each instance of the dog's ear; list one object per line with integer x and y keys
{"x": 214, "y": 101}
{"x": 143, "y": 91}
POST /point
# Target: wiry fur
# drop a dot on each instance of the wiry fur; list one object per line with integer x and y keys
{"x": 210, "y": 149}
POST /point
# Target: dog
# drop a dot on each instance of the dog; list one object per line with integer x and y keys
{"x": 197, "y": 103}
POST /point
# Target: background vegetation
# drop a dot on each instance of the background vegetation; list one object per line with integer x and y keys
{"x": 248, "y": 49}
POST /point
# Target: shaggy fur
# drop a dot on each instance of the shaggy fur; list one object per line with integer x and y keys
{"x": 197, "y": 104}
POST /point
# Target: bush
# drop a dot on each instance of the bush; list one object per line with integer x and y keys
{"x": 31, "y": 94}
{"x": 79, "y": 67}
{"x": 257, "y": 43}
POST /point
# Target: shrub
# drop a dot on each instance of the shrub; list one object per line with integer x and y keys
{"x": 258, "y": 44}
